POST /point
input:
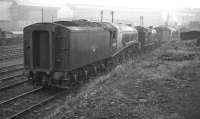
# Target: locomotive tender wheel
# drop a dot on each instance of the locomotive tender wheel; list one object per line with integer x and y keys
{"x": 37, "y": 79}
{"x": 123, "y": 58}
{"x": 30, "y": 76}
{"x": 75, "y": 76}
{"x": 95, "y": 70}
{"x": 99, "y": 68}
{"x": 102, "y": 67}
{"x": 86, "y": 74}
{"x": 127, "y": 56}
{"x": 79, "y": 76}
{"x": 118, "y": 60}
{"x": 90, "y": 70}
{"x": 72, "y": 80}
{"x": 44, "y": 80}
{"x": 108, "y": 65}
{"x": 82, "y": 76}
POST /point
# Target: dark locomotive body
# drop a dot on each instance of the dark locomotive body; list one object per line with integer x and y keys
{"x": 147, "y": 37}
{"x": 164, "y": 33}
{"x": 67, "y": 51}
{"x": 63, "y": 50}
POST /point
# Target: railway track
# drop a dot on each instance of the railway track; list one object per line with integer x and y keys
{"x": 12, "y": 55}
{"x": 11, "y": 72}
{"x": 8, "y": 69}
{"x": 11, "y": 76}
{"x": 25, "y": 102}
{"x": 12, "y": 84}
{"x": 11, "y": 52}
{"x": 9, "y": 47}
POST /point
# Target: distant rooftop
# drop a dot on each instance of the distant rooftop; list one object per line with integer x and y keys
{"x": 31, "y": 3}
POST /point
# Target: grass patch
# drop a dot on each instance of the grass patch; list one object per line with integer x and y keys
{"x": 149, "y": 88}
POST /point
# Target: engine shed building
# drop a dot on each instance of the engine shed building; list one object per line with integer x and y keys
{"x": 16, "y": 14}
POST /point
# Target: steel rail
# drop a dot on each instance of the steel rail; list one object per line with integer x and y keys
{"x": 13, "y": 85}
{"x": 19, "y": 96}
{"x": 16, "y": 65}
{"x": 11, "y": 76}
{"x": 10, "y": 71}
{"x": 35, "y": 106}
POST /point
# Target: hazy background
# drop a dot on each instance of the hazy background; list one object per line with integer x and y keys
{"x": 16, "y": 14}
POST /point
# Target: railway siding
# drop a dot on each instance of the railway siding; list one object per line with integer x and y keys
{"x": 17, "y": 106}
{"x": 8, "y": 63}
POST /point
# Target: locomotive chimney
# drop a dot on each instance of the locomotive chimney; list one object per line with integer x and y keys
{"x": 52, "y": 19}
{"x": 101, "y": 15}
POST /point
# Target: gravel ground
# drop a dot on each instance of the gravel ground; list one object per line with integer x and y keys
{"x": 163, "y": 84}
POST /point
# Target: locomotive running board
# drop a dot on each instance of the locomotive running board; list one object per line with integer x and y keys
{"x": 122, "y": 49}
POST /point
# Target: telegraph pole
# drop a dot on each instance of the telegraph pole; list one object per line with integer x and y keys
{"x": 101, "y": 15}
{"x": 52, "y": 19}
{"x": 141, "y": 20}
{"x": 42, "y": 14}
{"x": 112, "y": 14}
{"x": 168, "y": 18}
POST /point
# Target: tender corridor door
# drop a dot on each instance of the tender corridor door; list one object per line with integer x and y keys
{"x": 41, "y": 49}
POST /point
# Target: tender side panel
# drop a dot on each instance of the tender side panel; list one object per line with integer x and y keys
{"x": 87, "y": 47}
{"x": 190, "y": 35}
{"x": 100, "y": 45}
{"x": 79, "y": 49}
{"x": 61, "y": 49}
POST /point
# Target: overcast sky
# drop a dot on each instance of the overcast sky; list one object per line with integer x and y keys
{"x": 153, "y": 4}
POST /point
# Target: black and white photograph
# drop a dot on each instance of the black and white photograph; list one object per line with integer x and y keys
{"x": 99, "y": 59}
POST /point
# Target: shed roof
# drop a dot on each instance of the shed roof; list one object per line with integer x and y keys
{"x": 33, "y": 3}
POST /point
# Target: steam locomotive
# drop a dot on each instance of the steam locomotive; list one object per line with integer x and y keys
{"x": 65, "y": 52}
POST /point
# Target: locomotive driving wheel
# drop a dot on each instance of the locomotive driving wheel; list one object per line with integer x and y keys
{"x": 83, "y": 76}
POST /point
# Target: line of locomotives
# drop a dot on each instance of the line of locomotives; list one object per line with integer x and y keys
{"x": 66, "y": 52}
